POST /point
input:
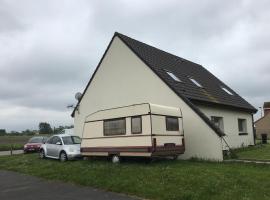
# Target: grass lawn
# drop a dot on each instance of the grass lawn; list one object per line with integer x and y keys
{"x": 258, "y": 152}
{"x": 185, "y": 180}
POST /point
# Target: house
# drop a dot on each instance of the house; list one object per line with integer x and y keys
{"x": 131, "y": 72}
{"x": 262, "y": 125}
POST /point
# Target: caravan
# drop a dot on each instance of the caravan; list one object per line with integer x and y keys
{"x": 146, "y": 130}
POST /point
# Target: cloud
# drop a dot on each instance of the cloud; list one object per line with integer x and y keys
{"x": 50, "y": 48}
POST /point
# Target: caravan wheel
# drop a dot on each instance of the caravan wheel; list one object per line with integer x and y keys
{"x": 175, "y": 157}
{"x": 115, "y": 159}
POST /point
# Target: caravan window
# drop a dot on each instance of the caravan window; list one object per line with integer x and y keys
{"x": 136, "y": 124}
{"x": 114, "y": 126}
{"x": 172, "y": 124}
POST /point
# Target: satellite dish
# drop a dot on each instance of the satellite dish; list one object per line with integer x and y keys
{"x": 78, "y": 96}
{"x": 70, "y": 106}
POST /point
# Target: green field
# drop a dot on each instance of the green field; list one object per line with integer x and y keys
{"x": 258, "y": 152}
{"x": 16, "y": 142}
{"x": 14, "y": 139}
{"x": 185, "y": 180}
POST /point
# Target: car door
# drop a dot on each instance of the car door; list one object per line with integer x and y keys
{"x": 49, "y": 146}
{"x": 56, "y": 146}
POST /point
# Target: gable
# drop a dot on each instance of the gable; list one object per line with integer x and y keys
{"x": 188, "y": 102}
{"x": 123, "y": 79}
{"x": 263, "y": 122}
{"x": 211, "y": 91}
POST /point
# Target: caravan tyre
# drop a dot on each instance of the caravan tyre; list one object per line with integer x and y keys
{"x": 115, "y": 159}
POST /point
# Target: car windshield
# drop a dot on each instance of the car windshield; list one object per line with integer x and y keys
{"x": 36, "y": 140}
{"x": 71, "y": 140}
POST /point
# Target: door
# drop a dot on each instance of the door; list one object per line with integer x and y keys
{"x": 56, "y": 146}
{"x": 49, "y": 146}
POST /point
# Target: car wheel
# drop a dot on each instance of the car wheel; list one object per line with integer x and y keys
{"x": 42, "y": 154}
{"x": 115, "y": 159}
{"x": 63, "y": 157}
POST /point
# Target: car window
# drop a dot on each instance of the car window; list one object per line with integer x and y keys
{"x": 56, "y": 139}
{"x": 71, "y": 140}
{"x": 44, "y": 139}
{"x": 36, "y": 140}
{"x": 50, "y": 140}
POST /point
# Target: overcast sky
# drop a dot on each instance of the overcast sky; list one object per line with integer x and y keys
{"x": 49, "y": 49}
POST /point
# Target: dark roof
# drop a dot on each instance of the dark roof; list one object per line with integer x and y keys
{"x": 160, "y": 62}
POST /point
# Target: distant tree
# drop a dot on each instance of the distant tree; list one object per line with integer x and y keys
{"x": 28, "y": 132}
{"x": 14, "y": 133}
{"x": 71, "y": 126}
{"x": 45, "y": 128}
{"x": 59, "y": 130}
{"x": 3, "y": 132}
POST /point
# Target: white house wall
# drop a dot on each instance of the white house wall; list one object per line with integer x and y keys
{"x": 230, "y": 122}
{"x": 123, "y": 79}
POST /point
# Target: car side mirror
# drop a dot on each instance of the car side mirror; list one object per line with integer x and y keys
{"x": 58, "y": 143}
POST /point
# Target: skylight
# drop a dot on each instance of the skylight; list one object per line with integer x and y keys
{"x": 196, "y": 82}
{"x": 173, "y": 76}
{"x": 227, "y": 91}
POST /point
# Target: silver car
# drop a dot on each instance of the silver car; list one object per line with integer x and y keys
{"x": 62, "y": 147}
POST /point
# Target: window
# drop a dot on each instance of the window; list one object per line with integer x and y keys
{"x": 55, "y": 140}
{"x": 136, "y": 124}
{"x": 71, "y": 140}
{"x": 172, "y": 124}
{"x": 226, "y": 90}
{"x": 218, "y": 121}
{"x": 114, "y": 126}
{"x": 196, "y": 82}
{"x": 242, "y": 126}
{"x": 49, "y": 141}
{"x": 36, "y": 140}
{"x": 173, "y": 76}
